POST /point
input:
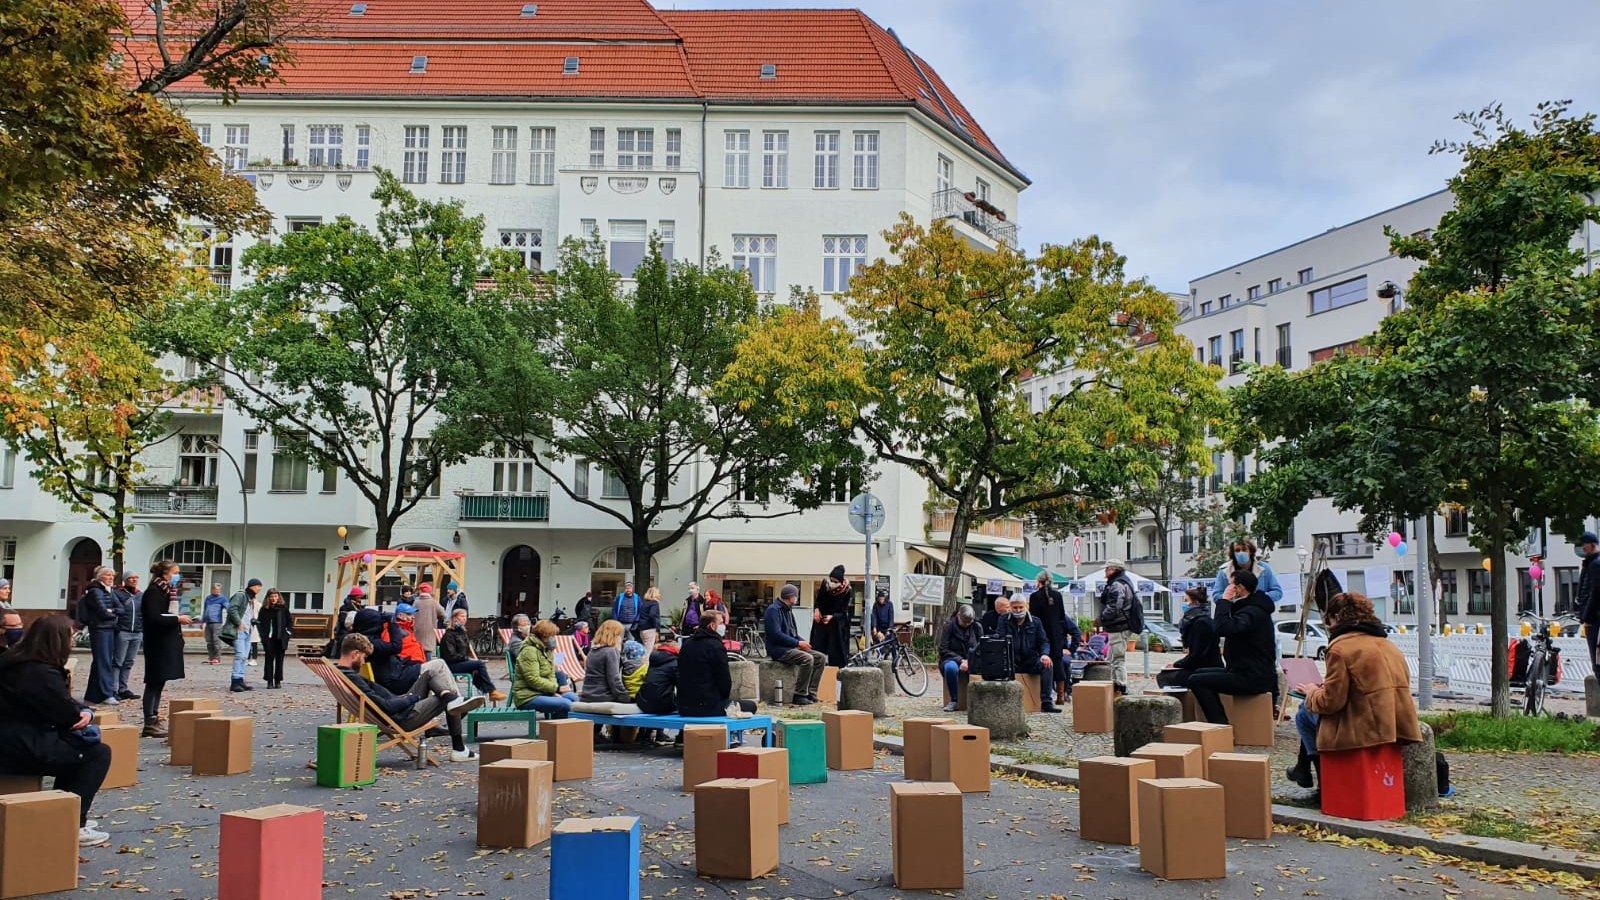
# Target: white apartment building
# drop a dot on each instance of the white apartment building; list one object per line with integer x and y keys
{"x": 785, "y": 141}
{"x": 1292, "y": 307}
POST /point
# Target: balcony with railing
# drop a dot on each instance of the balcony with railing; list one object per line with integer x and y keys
{"x": 177, "y": 501}
{"x": 505, "y": 506}
{"x": 998, "y": 533}
{"x": 979, "y": 218}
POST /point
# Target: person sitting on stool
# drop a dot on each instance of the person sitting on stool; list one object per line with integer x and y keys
{"x": 1030, "y": 650}
{"x": 784, "y": 645}
{"x": 1201, "y": 650}
{"x": 1244, "y": 619}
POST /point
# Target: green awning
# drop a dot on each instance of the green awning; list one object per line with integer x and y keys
{"x": 1019, "y": 567}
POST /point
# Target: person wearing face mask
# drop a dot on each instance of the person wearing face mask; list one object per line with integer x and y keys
{"x": 130, "y": 632}
{"x": 1243, "y": 619}
{"x": 1030, "y": 650}
{"x": 704, "y": 683}
{"x": 11, "y": 630}
{"x": 1242, "y": 556}
{"x": 163, "y": 640}
{"x": 536, "y": 683}
{"x": 1201, "y": 650}
{"x": 521, "y": 628}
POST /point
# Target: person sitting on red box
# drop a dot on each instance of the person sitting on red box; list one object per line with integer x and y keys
{"x": 1365, "y": 696}
{"x": 409, "y": 710}
{"x": 43, "y": 730}
{"x": 455, "y": 648}
{"x": 1201, "y": 649}
{"x": 1243, "y": 618}
{"x": 1030, "y": 650}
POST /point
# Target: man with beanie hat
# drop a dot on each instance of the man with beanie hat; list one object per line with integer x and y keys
{"x": 130, "y": 631}
{"x": 830, "y": 619}
{"x": 784, "y": 645}
{"x": 241, "y": 621}
{"x": 430, "y": 618}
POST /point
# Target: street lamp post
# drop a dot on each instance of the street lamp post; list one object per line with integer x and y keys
{"x": 244, "y": 498}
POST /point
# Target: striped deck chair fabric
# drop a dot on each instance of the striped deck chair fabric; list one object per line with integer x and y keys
{"x": 354, "y": 704}
{"x": 567, "y": 658}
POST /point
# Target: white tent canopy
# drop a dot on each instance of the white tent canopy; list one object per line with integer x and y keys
{"x": 1091, "y": 584}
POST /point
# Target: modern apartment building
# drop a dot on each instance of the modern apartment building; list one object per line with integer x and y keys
{"x": 1292, "y": 307}
{"x": 783, "y": 141}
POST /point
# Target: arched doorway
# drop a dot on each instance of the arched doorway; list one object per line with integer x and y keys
{"x": 84, "y": 557}
{"x": 200, "y": 564}
{"x": 519, "y": 582}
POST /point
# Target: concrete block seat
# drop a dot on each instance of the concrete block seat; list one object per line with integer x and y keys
{"x": 768, "y": 673}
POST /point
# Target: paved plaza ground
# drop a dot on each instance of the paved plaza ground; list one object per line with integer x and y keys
{"x": 412, "y": 834}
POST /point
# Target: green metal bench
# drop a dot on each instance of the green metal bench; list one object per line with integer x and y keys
{"x": 494, "y": 714}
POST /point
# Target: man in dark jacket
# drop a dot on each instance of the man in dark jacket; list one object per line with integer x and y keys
{"x": 704, "y": 684}
{"x": 1048, "y": 606}
{"x": 784, "y": 645}
{"x": 455, "y": 648}
{"x": 958, "y": 651}
{"x": 1122, "y": 617}
{"x": 101, "y": 612}
{"x": 130, "y": 631}
{"x": 410, "y": 711}
{"x": 585, "y": 607}
{"x": 882, "y": 617}
{"x": 1030, "y": 650}
{"x": 1243, "y": 618}
{"x": 1588, "y": 599}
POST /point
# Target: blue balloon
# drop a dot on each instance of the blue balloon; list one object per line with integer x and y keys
{"x": 1401, "y": 548}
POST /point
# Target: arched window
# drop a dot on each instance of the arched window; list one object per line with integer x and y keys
{"x": 194, "y": 553}
{"x": 620, "y": 559}
{"x": 201, "y": 564}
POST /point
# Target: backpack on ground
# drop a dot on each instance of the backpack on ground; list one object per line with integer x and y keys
{"x": 994, "y": 658}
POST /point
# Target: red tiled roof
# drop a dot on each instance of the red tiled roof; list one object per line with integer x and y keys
{"x": 555, "y": 19}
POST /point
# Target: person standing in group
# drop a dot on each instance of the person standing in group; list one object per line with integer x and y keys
{"x": 1242, "y": 556}
{"x": 648, "y": 628}
{"x": 100, "y": 612}
{"x": 1587, "y": 602}
{"x": 130, "y": 631}
{"x": 627, "y": 608}
{"x": 430, "y": 620}
{"x": 275, "y": 626}
{"x": 163, "y": 640}
{"x": 830, "y": 618}
{"x": 1048, "y": 606}
{"x": 585, "y": 607}
{"x": 236, "y": 630}
{"x": 1121, "y": 617}
{"x": 691, "y": 607}
{"x": 212, "y": 616}
{"x": 784, "y": 645}
{"x": 454, "y": 599}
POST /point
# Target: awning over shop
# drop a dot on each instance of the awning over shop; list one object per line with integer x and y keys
{"x": 972, "y": 567}
{"x": 783, "y": 559}
{"x": 1020, "y": 567}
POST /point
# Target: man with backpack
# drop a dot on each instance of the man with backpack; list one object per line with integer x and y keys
{"x": 1030, "y": 650}
{"x": 1121, "y": 617}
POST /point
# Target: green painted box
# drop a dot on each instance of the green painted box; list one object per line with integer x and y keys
{"x": 347, "y": 755}
{"x": 807, "y": 743}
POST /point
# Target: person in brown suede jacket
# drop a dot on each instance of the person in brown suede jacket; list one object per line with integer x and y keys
{"x": 1365, "y": 698}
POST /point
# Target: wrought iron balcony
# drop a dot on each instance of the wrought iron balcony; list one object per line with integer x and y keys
{"x": 978, "y": 214}
{"x": 505, "y": 507}
{"x": 175, "y": 500}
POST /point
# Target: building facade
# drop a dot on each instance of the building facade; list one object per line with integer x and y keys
{"x": 782, "y": 142}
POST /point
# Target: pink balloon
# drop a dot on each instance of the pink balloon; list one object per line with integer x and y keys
{"x": 1395, "y": 538}
{"x": 366, "y": 558}
{"x": 1536, "y": 573}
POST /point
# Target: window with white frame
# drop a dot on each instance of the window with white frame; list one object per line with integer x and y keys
{"x": 252, "y": 447}
{"x": 736, "y": 159}
{"x": 515, "y": 471}
{"x": 453, "y": 161}
{"x": 542, "y": 155}
{"x": 415, "y": 165}
{"x": 758, "y": 255}
{"x": 197, "y": 460}
{"x": 527, "y": 244}
{"x": 612, "y": 488}
{"x": 288, "y": 466}
{"x": 842, "y": 255}
{"x": 8, "y": 467}
{"x": 417, "y": 452}
{"x": 627, "y": 247}
{"x": 503, "y": 155}
{"x": 1094, "y": 546}
{"x": 8, "y": 557}
{"x": 597, "y": 148}
{"x": 667, "y": 233}
{"x": 826, "y": 170}
{"x": 236, "y": 146}
{"x": 839, "y": 487}
{"x": 203, "y": 132}
{"x": 945, "y": 178}
{"x": 588, "y": 229}
{"x": 580, "y": 478}
{"x": 288, "y": 144}
{"x": 864, "y": 161}
{"x": 981, "y": 189}
{"x": 636, "y": 148}
{"x": 774, "y": 159}
{"x": 363, "y": 146}
{"x": 325, "y": 145}
{"x": 674, "y": 148}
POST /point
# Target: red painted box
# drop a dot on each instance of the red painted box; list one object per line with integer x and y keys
{"x": 1367, "y": 784}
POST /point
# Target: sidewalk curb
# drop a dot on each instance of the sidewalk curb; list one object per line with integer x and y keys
{"x": 1492, "y": 851}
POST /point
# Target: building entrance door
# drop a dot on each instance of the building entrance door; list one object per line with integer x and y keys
{"x": 519, "y": 583}
{"x": 84, "y": 558}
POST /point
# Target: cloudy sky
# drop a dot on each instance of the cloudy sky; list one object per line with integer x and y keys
{"x": 1198, "y": 133}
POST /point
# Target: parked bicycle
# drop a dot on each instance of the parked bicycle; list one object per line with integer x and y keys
{"x": 755, "y": 646}
{"x": 486, "y": 641}
{"x": 909, "y": 672}
{"x": 1544, "y": 662}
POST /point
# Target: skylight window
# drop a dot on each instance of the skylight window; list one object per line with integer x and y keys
{"x": 769, "y": 71}
{"x": 419, "y": 64}
{"x": 529, "y": 10}
{"x": 358, "y": 9}
{"x": 570, "y": 67}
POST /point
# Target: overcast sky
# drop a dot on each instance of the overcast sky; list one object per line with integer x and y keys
{"x": 1195, "y": 134}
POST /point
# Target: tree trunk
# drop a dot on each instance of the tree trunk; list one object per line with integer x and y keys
{"x": 955, "y": 555}
{"x": 642, "y": 557}
{"x": 1499, "y": 628}
{"x": 385, "y": 532}
{"x": 1435, "y": 573}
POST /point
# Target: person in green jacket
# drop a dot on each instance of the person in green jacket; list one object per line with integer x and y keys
{"x": 236, "y": 629}
{"x": 536, "y": 684}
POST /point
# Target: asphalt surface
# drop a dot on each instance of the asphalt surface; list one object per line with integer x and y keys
{"x": 412, "y": 835}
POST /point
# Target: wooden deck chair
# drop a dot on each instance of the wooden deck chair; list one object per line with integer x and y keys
{"x": 566, "y": 656}
{"x": 351, "y": 702}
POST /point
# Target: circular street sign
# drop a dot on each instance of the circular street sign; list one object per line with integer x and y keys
{"x": 1077, "y": 549}
{"x": 867, "y": 514}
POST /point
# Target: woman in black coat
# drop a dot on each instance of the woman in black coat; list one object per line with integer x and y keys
{"x": 1201, "y": 649}
{"x": 830, "y": 618}
{"x": 275, "y": 625}
{"x": 163, "y": 641}
{"x": 704, "y": 683}
{"x": 43, "y": 731}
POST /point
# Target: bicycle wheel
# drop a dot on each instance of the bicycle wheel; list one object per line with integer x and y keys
{"x": 911, "y": 674}
{"x": 1533, "y": 688}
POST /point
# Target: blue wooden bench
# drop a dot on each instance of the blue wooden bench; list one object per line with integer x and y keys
{"x": 676, "y": 723}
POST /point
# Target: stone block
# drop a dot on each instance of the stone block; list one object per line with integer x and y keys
{"x": 997, "y": 706}
{"x": 1422, "y": 775}
{"x": 1097, "y": 672}
{"x": 890, "y": 686}
{"x": 1591, "y": 697}
{"x": 746, "y": 680}
{"x": 1137, "y": 721}
{"x": 861, "y": 688}
{"x": 769, "y": 673}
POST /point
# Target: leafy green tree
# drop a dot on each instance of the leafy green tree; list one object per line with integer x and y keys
{"x": 349, "y": 340}
{"x": 1482, "y": 392}
{"x": 1215, "y": 532}
{"x": 953, "y": 332}
{"x": 631, "y": 379}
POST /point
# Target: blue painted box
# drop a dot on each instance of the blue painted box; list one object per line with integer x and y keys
{"x": 595, "y": 859}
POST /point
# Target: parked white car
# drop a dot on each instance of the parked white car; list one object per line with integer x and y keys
{"x": 1316, "y": 643}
